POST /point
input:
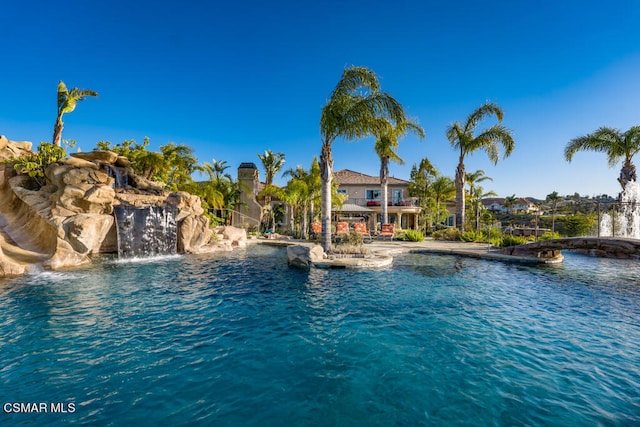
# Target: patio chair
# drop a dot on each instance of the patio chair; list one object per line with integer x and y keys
{"x": 316, "y": 230}
{"x": 388, "y": 231}
{"x": 342, "y": 230}
{"x": 361, "y": 229}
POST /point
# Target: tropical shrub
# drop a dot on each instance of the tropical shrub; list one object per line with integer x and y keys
{"x": 36, "y": 164}
{"x": 579, "y": 225}
{"x": 508, "y": 240}
{"x": 447, "y": 234}
{"x": 414, "y": 235}
{"x": 548, "y": 235}
{"x": 472, "y": 236}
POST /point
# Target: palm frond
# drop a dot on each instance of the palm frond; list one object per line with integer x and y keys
{"x": 481, "y": 113}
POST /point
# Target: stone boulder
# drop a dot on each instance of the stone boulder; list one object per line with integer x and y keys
{"x": 87, "y": 231}
{"x": 304, "y": 255}
{"x": 193, "y": 233}
{"x": 97, "y": 156}
{"x": 186, "y": 203}
{"x": 237, "y": 236}
{"x": 12, "y": 149}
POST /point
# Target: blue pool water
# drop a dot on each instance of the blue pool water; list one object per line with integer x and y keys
{"x": 241, "y": 339}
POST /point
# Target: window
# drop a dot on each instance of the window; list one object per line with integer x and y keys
{"x": 373, "y": 195}
{"x": 397, "y": 196}
{"x": 342, "y": 191}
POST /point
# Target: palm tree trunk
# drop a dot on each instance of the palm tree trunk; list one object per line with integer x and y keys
{"x": 326, "y": 164}
{"x": 57, "y": 131}
{"x": 460, "y": 208}
{"x": 384, "y": 178}
{"x": 627, "y": 173}
{"x": 305, "y": 223}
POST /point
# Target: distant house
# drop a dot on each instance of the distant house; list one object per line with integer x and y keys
{"x": 496, "y": 205}
{"x": 364, "y": 196}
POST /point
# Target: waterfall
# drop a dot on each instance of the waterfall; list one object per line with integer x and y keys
{"x": 631, "y": 209}
{"x": 144, "y": 232}
{"x": 625, "y": 223}
{"x": 121, "y": 179}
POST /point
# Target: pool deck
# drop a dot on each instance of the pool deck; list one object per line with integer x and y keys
{"x": 383, "y": 252}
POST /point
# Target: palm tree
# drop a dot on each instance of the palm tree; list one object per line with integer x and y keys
{"x": 352, "y": 112}
{"x": 308, "y": 186}
{"x": 509, "y": 202}
{"x": 385, "y": 146}
{"x": 616, "y": 144}
{"x": 272, "y": 163}
{"x": 553, "y": 198}
{"x": 476, "y": 193}
{"x": 462, "y": 137}
{"x": 67, "y": 100}
{"x": 181, "y": 162}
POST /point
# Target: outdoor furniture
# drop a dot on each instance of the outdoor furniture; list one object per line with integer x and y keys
{"x": 342, "y": 230}
{"x": 361, "y": 229}
{"x": 316, "y": 230}
{"x": 388, "y": 231}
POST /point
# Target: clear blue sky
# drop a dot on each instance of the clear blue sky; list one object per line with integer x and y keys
{"x": 232, "y": 79}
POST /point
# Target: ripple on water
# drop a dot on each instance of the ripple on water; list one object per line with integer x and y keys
{"x": 241, "y": 339}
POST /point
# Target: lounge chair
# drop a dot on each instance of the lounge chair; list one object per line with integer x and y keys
{"x": 388, "y": 231}
{"x": 342, "y": 230}
{"x": 316, "y": 230}
{"x": 361, "y": 229}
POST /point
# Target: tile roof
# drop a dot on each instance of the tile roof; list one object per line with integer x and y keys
{"x": 347, "y": 176}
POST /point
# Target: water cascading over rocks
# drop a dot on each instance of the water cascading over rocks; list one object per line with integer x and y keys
{"x": 147, "y": 231}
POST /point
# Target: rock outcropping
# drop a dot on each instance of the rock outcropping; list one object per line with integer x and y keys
{"x": 71, "y": 217}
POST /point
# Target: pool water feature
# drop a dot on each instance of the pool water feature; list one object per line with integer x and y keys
{"x": 241, "y": 339}
{"x": 146, "y": 231}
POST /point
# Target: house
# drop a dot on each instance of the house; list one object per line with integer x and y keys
{"x": 364, "y": 195}
{"x": 521, "y": 205}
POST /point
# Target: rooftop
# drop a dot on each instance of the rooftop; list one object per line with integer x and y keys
{"x": 347, "y": 176}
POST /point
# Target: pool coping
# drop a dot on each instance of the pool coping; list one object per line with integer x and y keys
{"x": 383, "y": 252}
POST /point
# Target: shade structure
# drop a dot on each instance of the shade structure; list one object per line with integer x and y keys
{"x": 350, "y": 207}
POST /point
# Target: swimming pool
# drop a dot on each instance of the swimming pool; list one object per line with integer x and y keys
{"x": 241, "y": 339}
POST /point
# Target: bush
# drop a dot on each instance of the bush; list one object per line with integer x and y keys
{"x": 36, "y": 164}
{"x": 452, "y": 234}
{"x": 472, "y": 236}
{"x": 548, "y": 236}
{"x": 414, "y": 235}
{"x": 512, "y": 240}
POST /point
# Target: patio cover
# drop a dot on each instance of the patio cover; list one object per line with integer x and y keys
{"x": 351, "y": 207}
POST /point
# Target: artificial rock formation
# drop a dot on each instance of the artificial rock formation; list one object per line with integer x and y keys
{"x": 71, "y": 217}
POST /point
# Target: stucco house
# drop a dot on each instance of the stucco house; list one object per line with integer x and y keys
{"x": 363, "y": 197}
{"x": 496, "y": 204}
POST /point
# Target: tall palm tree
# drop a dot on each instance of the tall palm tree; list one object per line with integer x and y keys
{"x": 617, "y": 146}
{"x": 353, "y": 111}
{"x": 553, "y": 198}
{"x": 272, "y": 163}
{"x": 67, "y": 101}
{"x": 385, "y": 146}
{"x": 462, "y": 137}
